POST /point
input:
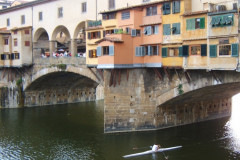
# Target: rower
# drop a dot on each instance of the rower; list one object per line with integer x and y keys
{"x": 156, "y": 147}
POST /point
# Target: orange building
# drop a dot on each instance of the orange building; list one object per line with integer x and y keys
{"x": 137, "y": 38}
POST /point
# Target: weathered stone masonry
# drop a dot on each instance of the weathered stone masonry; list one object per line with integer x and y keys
{"x": 136, "y": 103}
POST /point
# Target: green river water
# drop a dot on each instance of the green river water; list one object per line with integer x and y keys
{"x": 75, "y": 132}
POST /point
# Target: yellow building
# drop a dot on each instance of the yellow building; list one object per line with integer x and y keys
{"x": 194, "y": 36}
{"x": 172, "y": 50}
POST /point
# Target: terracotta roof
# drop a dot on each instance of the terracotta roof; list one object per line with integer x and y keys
{"x": 19, "y": 28}
{"x": 134, "y": 6}
{"x": 111, "y": 39}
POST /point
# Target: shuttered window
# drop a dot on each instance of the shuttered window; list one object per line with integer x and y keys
{"x": 203, "y": 50}
{"x": 180, "y": 51}
{"x": 185, "y": 51}
{"x": 140, "y": 51}
{"x": 166, "y": 29}
{"x": 111, "y": 50}
{"x": 99, "y": 51}
{"x": 126, "y": 15}
{"x": 195, "y": 23}
{"x": 222, "y": 20}
{"x": 176, "y": 7}
{"x": 176, "y": 28}
{"x": 235, "y": 50}
{"x": 166, "y": 8}
{"x": 202, "y": 23}
{"x": 213, "y": 50}
{"x": 164, "y": 52}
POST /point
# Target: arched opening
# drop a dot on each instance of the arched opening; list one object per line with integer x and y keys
{"x": 80, "y": 39}
{"x": 61, "y": 42}
{"x": 60, "y": 87}
{"x": 41, "y": 43}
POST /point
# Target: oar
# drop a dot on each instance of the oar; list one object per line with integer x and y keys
{"x": 139, "y": 148}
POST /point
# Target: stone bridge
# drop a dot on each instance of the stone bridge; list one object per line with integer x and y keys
{"x": 161, "y": 98}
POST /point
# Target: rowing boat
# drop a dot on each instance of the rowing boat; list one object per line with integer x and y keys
{"x": 151, "y": 151}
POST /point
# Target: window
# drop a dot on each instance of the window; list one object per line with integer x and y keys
{"x": 195, "y": 50}
{"x": 5, "y": 41}
{"x": 151, "y": 11}
{"x": 60, "y": 12}
{"x": 195, "y": 23}
{"x": 109, "y": 16}
{"x": 84, "y": 7}
{"x": 8, "y": 22}
{"x": 222, "y": 21}
{"x": 111, "y": 31}
{"x": 23, "y": 19}
{"x": 176, "y": 7}
{"x": 15, "y": 32}
{"x": 17, "y": 56}
{"x": 3, "y": 7}
{"x": 40, "y": 16}
{"x": 15, "y": 42}
{"x": 3, "y": 56}
{"x": 146, "y": 0}
{"x": 140, "y": 51}
{"x": 166, "y": 29}
{"x": 26, "y": 31}
{"x": 126, "y": 15}
{"x": 149, "y": 30}
{"x": 135, "y": 32}
{"x": 166, "y": 8}
{"x": 173, "y": 52}
{"x": 94, "y": 35}
{"x": 152, "y": 50}
{"x": 176, "y": 28}
{"x": 111, "y": 4}
{"x": 225, "y": 50}
{"x": 92, "y": 53}
{"x": 105, "y": 50}
{"x": 27, "y": 43}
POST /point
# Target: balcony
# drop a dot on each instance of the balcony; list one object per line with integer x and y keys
{"x": 223, "y": 7}
{"x": 149, "y": 20}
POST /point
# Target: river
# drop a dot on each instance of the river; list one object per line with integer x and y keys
{"x": 75, "y": 132}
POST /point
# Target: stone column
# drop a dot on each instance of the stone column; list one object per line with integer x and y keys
{"x": 74, "y": 47}
{"x": 52, "y": 47}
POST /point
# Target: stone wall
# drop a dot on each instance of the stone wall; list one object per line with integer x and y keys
{"x": 132, "y": 98}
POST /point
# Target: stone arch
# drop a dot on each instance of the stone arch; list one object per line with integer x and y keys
{"x": 84, "y": 72}
{"x": 78, "y": 42}
{"x": 61, "y": 38}
{"x": 41, "y": 42}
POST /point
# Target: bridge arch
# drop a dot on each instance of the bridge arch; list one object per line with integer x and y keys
{"x": 41, "y": 42}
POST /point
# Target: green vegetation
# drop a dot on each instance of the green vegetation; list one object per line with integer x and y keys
{"x": 180, "y": 89}
{"x": 62, "y": 67}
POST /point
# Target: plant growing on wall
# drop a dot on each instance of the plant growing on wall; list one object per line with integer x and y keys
{"x": 62, "y": 67}
{"x": 180, "y": 89}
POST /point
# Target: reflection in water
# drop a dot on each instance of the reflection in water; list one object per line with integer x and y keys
{"x": 233, "y": 127}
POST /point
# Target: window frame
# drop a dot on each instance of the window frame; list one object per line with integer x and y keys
{"x": 40, "y": 16}
{"x": 84, "y": 7}
{"x": 23, "y": 19}
{"x": 105, "y": 50}
{"x": 8, "y": 22}
{"x": 218, "y": 50}
{"x": 151, "y": 11}
{"x": 92, "y": 52}
{"x": 6, "y": 41}
{"x": 190, "y": 50}
{"x": 125, "y": 15}
{"x": 174, "y": 49}
{"x": 15, "y": 42}
{"x": 60, "y": 12}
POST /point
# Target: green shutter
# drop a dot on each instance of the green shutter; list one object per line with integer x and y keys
{"x": 111, "y": 50}
{"x": 191, "y": 24}
{"x": 203, "y": 50}
{"x": 180, "y": 51}
{"x": 235, "y": 50}
{"x": 213, "y": 50}
{"x": 202, "y": 23}
{"x": 185, "y": 51}
{"x": 166, "y": 29}
{"x": 166, "y": 8}
{"x": 176, "y": 7}
{"x": 164, "y": 52}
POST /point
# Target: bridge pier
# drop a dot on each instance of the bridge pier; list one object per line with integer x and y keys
{"x": 137, "y": 99}
{"x": 74, "y": 47}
